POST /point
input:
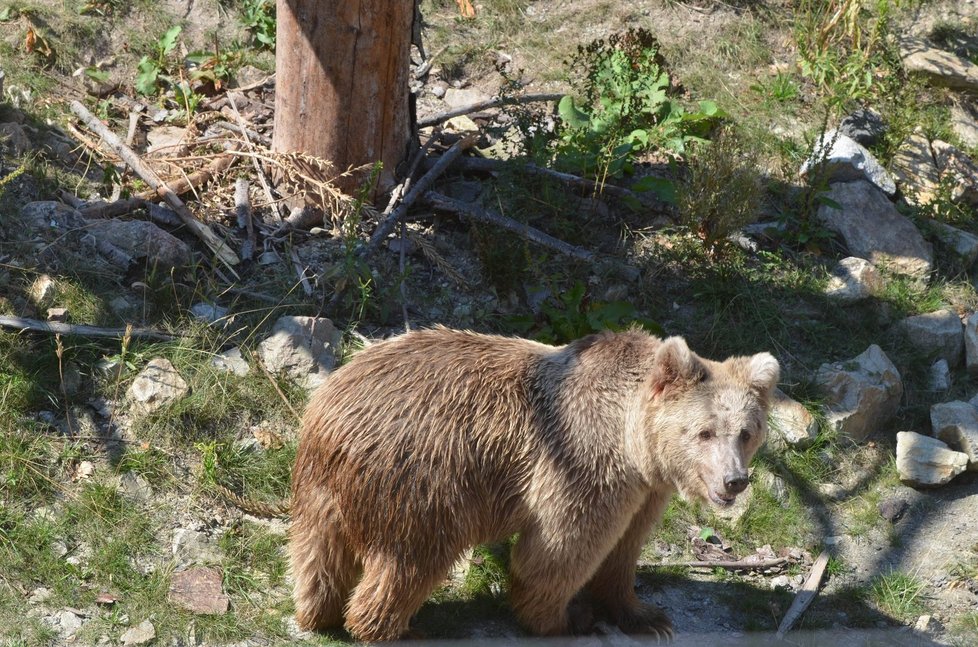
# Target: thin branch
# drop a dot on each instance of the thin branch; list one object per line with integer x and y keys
{"x": 532, "y": 234}
{"x": 740, "y": 565}
{"x": 806, "y": 594}
{"x": 78, "y": 330}
{"x": 202, "y": 231}
{"x": 486, "y": 105}
{"x": 425, "y": 181}
{"x": 242, "y": 210}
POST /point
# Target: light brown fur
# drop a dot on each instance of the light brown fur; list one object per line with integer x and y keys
{"x": 437, "y": 440}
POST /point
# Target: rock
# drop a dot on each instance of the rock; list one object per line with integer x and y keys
{"x": 248, "y": 75}
{"x": 971, "y": 343}
{"x": 68, "y": 623}
{"x": 304, "y": 348}
{"x": 916, "y": 170}
{"x": 209, "y": 312}
{"x": 193, "y": 547}
{"x": 396, "y": 245}
{"x": 58, "y": 315}
{"x": 85, "y": 470}
{"x": 199, "y": 590}
{"x": 963, "y": 244}
{"x": 833, "y": 491}
{"x": 456, "y": 98}
{"x": 937, "y": 334}
{"x": 165, "y": 140}
{"x": 42, "y": 289}
{"x": 926, "y": 624}
{"x": 158, "y": 385}
{"x": 47, "y": 215}
{"x": 873, "y": 229}
{"x": 923, "y": 461}
{"x": 864, "y": 126}
{"x": 964, "y": 122}
{"x": 957, "y": 171}
{"x": 777, "y": 486}
{"x": 135, "y": 486}
{"x": 14, "y": 136}
{"x": 141, "y": 239}
{"x": 121, "y": 306}
{"x": 781, "y": 582}
{"x": 853, "y": 279}
{"x": 893, "y": 508}
{"x": 861, "y": 394}
{"x": 842, "y": 159}
{"x": 940, "y": 67}
{"x": 956, "y": 424}
{"x": 790, "y": 423}
{"x": 940, "y": 376}
{"x": 232, "y": 361}
{"x": 141, "y": 634}
{"x": 40, "y": 595}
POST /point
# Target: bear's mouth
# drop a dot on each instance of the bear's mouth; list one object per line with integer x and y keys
{"x": 718, "y": 498}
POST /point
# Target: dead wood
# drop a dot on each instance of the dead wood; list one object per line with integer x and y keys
{"x": 126, "y": 206}
{"x": 486, "y": 105}
{"x": 476, "y": 212}
{"x": 202, "y": 231}
{"x": 242, "y": 211}
{"x": 79, "y": 330}
{"x": 387, "y": 225}
{"x": 197, "y": 179}
{"x": 739, "y": 565}
{"x": 806, "y": 594}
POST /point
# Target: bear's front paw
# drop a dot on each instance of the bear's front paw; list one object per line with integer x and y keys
{"x": 646, "y": 619}
{"x": 581, "y": 615}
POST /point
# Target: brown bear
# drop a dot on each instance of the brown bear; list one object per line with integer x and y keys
{"x": 437, "y": 440}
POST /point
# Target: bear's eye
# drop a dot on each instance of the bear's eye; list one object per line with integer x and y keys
{"x": 706, "y": 434}
{"x": 744, "y": 435}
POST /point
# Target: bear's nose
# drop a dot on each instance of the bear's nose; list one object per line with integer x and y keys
{"x": 735, "y": 483}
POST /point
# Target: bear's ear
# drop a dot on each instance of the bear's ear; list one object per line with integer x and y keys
{"x": 763, "y": 372}
{"x": 676, "y": 368}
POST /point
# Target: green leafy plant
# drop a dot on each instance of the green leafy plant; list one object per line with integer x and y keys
{"x": 152, "y": 70}
{"x": 258, "y": 17}
{"x": 624, "y": 109}
{"x": 573, "y": 315}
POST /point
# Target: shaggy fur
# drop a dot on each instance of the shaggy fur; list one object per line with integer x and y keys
{"x": 437, "y": 440}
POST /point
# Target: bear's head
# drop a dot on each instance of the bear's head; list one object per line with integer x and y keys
{"x": 707, "y": 419}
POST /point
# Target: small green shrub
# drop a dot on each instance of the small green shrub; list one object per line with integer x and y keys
{"x": 258, "y": 17}
{"x": 721, "y": 192}
{"x": 152, "y": 70}
{"x": 899, "y": 594}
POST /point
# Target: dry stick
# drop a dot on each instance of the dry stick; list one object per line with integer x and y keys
{"x": 199, "y": 178}
{"x": 202, "y": 231}
{"x": 387, "y": 226}
{"x": 242, "y": 209}
{"x": 77, "y": 330}
{"x": 486, "y": 105}
{"x": 806, "y": 595}
{"x": 742, "y": 565}
{"x": 532, "y": 234}
{"x": 425, "y": 67}
{"x": 296, "y": 263}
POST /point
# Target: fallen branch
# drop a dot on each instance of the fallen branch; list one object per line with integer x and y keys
{"x": 425, "y": 181}
{"x": 242, "y": 210}
{"x": 202, "y": 231}
{"x": 104, "y": 210}
{"x": 486, "y": 105}
{"x": 740, "y": 565}
{"x": 532, "y": 234}
{"x": 199, "y": 178}
{"x": 806, "y": 594}
{"x": 77, "y": 330}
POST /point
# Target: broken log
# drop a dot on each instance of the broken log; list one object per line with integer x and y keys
{"x": 79, "y": 330}
{"x": 806, "y": 594}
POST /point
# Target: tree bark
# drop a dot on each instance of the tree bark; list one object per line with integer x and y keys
{"x": 342, "y": 73}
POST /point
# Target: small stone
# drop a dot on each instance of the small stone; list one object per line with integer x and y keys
{"x": 936, "y": 334}
{"x": 121, "y": 306}
{"x": 210, "y": 313}
{"x": 199, "y": 590}
{"x": 191, "y": 546}
{"x": 864, "y": 126}
{"x": 456, "y": 98}
{"x": 838, "y": 158}
{"x": 853, "y": 279}
{"x": 304, "y": 348}
{"x": 232, "y": 361}
{"x": 40, "y": 595}
{"x": 781, "y": 582}
{"x": 923, "y": 461}
{"x": 141, "y": 634}
{"x": 68, "y": 623}
{"x": 135, "y": 486}
{"x": 956, "y": 423}
{"x": 85, "y": 470}
{"x": 940, "y": 376}
{"x": 777, "y": 487}
{"x": 833, "y": 491}
{"x": 42, "y": 289}
{"x": 926, "y": 624}
{"x": 58, "y": 315}
{"x": 158, "y": 385}
{"x": 893, "y": 508}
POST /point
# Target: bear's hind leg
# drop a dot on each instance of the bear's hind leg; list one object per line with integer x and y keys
{"x": 324, "y": 570}
{"x": 391, "y": 590}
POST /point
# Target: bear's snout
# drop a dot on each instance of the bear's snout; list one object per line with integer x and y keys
{"x": 735, "y": 483}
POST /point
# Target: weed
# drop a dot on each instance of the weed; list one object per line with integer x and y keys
{"x": 154, "y": 69}
{"x": 899, "y": 594}
{"x": 258, "y": 17}
{"x": 782, "y": 89}
{"x": 720, "y": 194}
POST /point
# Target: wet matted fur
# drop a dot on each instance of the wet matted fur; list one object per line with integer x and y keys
{"x": 437, "y": 440}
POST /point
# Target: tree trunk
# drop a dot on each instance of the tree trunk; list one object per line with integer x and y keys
{"x": 341, "y": 83}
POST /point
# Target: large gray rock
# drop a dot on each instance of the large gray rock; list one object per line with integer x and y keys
{"x": 916, "y": 170}
{"x": 861, "y": 395}
{"x": 865, "y": 126}
{"x": 937, "y": 334}
{"x": 940, "y": 67}
{"x": 842, "y": 159}
{"x": 158, "y": 385}
{"x": 304, "y": 348}
{"x": 971, "y": 343}
{"x": 956, "y": 423}
{"x": 873, "y": 229}
{"x": 790, "y": 423}
{"x": 142, "y": 239}
{"x": 923, "y": 461}
{"x": 963, "y": 244}
{"x": 964, "y": 122}
{"x": 853, "y": 279}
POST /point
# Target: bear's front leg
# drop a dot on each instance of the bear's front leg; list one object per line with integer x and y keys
{"x": 613, "y": 585}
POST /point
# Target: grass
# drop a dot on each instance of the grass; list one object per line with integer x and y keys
{"x": 899, "y": 594}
